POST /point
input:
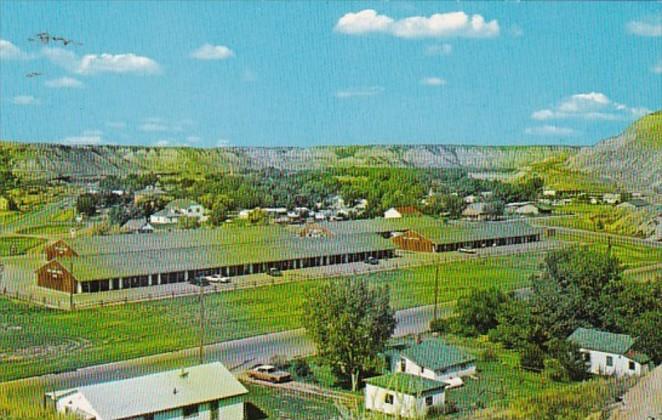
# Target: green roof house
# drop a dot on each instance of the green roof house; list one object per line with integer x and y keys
{"x": 607, "y": 353}
{"x": 433, "y": 359}
{"x": 403, "y": 394}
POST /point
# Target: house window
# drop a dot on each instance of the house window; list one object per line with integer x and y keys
{"x": 586, "y": 356}
{"x": 190, "y": 411}
{"x": 428, "y": 400}
{"x": 610, "y": 361}
{"x": 631, "y": 365}
{"x": 388, "y": 399}
{"x": 213, "y": 407}
{"x": 403, "y": 365}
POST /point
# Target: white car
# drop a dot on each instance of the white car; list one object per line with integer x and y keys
{"x": 217, "y": 278}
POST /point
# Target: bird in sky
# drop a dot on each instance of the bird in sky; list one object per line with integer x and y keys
{"x": 66, "y": 41}
{"x": 33, "y": 74}
{"x": 43, "y": 37}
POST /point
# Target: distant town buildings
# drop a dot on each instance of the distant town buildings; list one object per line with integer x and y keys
{"x": 177, "y": 209}
{"x": 206, "y": 391}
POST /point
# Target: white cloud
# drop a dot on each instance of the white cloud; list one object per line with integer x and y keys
{"x": 9, "y": 51}
{"x": 590, "y": 106}
{"x": 101, "y": 63}
{"x": 156, "y": 124}
{"x": 64, "y": 82}
{"x": 550, "y": 130}
{"x": 25, "y": 100}
{"x": 441, "y": 49}
{"x": 163, "y": 142}
{"x": 647, "y": 27}
{"x": 438, "y": 25}
{"x": 223, "y": 143}
{"x": 657, "y": 68}
{"x": 193, "y": 139}
{"x": 359, "y": 91}
{"x": 433, "y": 81}
{"x": 212, "y": 52}
{"x": 87, "y": 137}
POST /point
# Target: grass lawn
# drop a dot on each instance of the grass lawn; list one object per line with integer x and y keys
{"x": 17, "y": 245}
{"x": 49, "y": 229}
{"x": 35, "y": 340}
{"x": 278, "y": 405}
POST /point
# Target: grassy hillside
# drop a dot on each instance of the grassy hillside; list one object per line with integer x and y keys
{"x": 631, "y": 159}
{"x": 38, "y": 161}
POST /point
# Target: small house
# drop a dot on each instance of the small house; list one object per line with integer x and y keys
{"x": 138, "y": 225}
{"x": 634, "y": 204}
{"x": 607, "y": 353}
{"x": 177, "y": 209}
{"x": 403, "y": 395}
{"x": 436, "y": 360}
{"x": 204, "y": 391}
{"x": 476, "y": 211}
{"x": 398, "y": 212}
{"x": 611, "y": 198}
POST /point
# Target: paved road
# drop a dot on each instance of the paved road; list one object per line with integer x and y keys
{"x": 643, "y": 400}
{"x": 238, "y": 355}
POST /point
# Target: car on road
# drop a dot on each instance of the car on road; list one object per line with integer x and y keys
{"x": 467, "y": 250}
{"x": 371, "y": 261}
{"x": 269, "y": 373}
{"x": 217, "y": 278}
{"x": 273, "y": 271}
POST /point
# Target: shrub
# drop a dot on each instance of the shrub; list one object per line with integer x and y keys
{"x": 555, "y": 371}
{"x": 324, "y": 375}
{"x": 439, "y": 326}
{"x": 488, "y": 355}
{"x": 301, "y": 368}
{"x": 280, "y": 361}
{"x": 532, "y": 358}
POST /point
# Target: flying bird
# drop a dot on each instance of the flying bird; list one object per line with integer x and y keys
{"x": 33, "y": 74}
{"x": 43, "y": 37}
{"x": 66, "y": 41}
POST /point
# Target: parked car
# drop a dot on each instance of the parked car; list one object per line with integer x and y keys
{"x": 371, "y": 261}
{"x": 199, "y": 281}
{"x": 467, "y": 250}
{"x": 269, "y": 373}
{"x": 273, "y": 271}
{"x": 217, "y": 278}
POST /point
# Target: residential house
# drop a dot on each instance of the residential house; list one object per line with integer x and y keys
{"x": 398, "y": 212}
{"x": 476, "y": 211}
{"x": 634, "y": 204}
{"x": 548, "y": 192}
{"x": 206, "y": 391}
{"x": 607, "y": 353}
{"x": 611, "y": 198}
{"x": 177, "y": 209}
{"x": 436, "y": 360}
{"x": 470, "y": 199}
{"x": 138, "y": 225}
{"x": 403, "y": 395}
{"x": 149, "y": 193}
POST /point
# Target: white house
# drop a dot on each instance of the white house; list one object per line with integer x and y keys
{"x": 176, "y": 209}
{"x": 607, "y": 353}
{"x": 398, "y": 212}
{"x": 433, "y": 359}
{"x": 403, "y": 395}
{"x": 206, "y": 391}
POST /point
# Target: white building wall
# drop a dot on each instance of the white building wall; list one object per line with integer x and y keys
{"x": 392, "y": 214}
{"x": 453, "y": 372}
{"x": 620, "y": 365}
{"x": 403, "y": 405}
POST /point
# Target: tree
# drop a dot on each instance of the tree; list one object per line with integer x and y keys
{"x": 477, "y": 313}
{"x": 570, "y": 358}
{"x": 219, "y": 210}
{"x": 649, "y": 339}
{"x": 350, "y": 322}
{"x": 186, "y": 222}
{"x": 532, "y": 358}
{"x": 86, "y": 204}
{"x": 257, "y": 216}
{"x": 494, "y": 208}
{"x": 579, "y": 287}
{"x": 514, "y": 326}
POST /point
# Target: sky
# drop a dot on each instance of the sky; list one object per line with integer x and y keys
{"x": 216, "y": 74}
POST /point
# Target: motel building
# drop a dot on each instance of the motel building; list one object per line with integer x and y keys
{"x": 609, "y": 354}
{"x": 113, "y": 262}
{"x": 205, "y": 392}
{"x": 403, "y": 395}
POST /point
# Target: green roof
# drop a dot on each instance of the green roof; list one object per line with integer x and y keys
{"x": 405, "y": 383}
{"x": 602, "y": 341}
{"x": 436, "y": 355}
{"x": 167, "y": 260}
{"x": 380, "y": 225}
{"x": 475, "y": 231}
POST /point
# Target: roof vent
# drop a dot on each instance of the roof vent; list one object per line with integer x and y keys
{"x": 174, "y": 390}
{"x": 183, "y": 373}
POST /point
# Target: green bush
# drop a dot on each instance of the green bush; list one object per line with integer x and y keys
{"x": 532, "y": 358}
{"x": 488, "y": 355}
{"x": 301, "y": 368}
{"x": 439, "y": 326}
{"x": 324, "y": 375}
{"x": 555, "y": 371}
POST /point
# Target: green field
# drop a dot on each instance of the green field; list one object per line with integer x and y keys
{"x": 49, "y": 229}
{"x": 68, "y": 340}
{"x": 17, "y": 245}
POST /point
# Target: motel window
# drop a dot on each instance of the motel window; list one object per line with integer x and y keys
{"x": 631, "y": 365}
{"x": 610, "y": 361}
{"x": 190, "y": 411}
{"x": 388, "y": 399}
{"x": 213, "y": 407}
{"x": 428, "y": 400}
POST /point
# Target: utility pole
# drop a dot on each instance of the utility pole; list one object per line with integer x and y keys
{"x": 202, "y": 324}
{"x": 436, "y": 291}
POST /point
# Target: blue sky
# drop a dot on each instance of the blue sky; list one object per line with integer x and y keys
{"x": 209, "y": 74}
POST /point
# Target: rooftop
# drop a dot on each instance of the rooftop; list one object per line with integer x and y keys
{"x": 406, "y": 383}
{"x": 475, "y": 231}
{"x": 434, "y": 354}
{"x": 167, "y": 391}
{"x": 602, "y": 341}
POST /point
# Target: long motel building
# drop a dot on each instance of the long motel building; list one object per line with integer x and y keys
{"x": 103, "y": 263}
